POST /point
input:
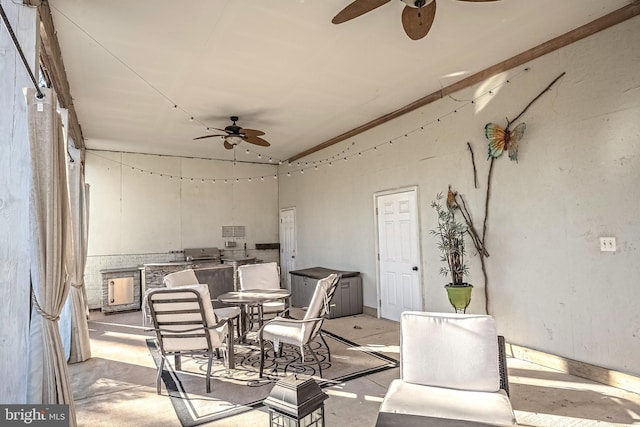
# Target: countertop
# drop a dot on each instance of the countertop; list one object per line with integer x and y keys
{"x": 121, "y": 269}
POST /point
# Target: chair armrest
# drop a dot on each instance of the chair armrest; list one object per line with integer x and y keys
{"x": 291, "y": 320}
{"x": 286, "y": 314}
{"x": 280, "y": 320}
{"x": 220, "y": 324}
{"x": 502, "y": 365}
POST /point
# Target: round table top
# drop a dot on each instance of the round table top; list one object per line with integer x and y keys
{"x": 252, "y": 296}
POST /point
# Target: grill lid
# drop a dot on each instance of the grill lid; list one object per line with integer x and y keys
{"x": 201, "y": 254}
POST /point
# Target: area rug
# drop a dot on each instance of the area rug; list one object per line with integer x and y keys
{"x": 234, "y": 391}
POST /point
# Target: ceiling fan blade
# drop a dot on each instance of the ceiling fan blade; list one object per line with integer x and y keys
{"x": 252, "y": 132}
{"x": 357, "y": 8}
{"x": 207, "y": 136}
{"x": 417, "y": 21}
{"x": 227, "y": 145}
{"x": 257, "y": 141}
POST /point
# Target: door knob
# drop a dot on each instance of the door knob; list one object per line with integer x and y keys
{"x": 414, "y": 268}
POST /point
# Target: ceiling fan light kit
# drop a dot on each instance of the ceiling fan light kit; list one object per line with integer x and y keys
{"x": 417, "y": 15}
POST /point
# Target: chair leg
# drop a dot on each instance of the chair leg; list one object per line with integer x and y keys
{"x": 315, "y": 357}
{"x": 177, "y": 362}
{"x": 261, "y": 356}
{"x": 159, "y": 376}
{"x": 326, "y": 345}
{"x": 209, "y": 371}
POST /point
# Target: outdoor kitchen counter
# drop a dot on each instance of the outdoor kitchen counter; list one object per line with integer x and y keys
{"x": 153, "y": 273}
{"x": 162, "y": 264}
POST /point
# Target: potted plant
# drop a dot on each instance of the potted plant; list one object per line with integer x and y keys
{"x": 450, "y": 235}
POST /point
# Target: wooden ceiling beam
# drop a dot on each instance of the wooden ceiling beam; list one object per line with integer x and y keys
{"x": 51, "y": 58}
{"x": 626, "y": 12}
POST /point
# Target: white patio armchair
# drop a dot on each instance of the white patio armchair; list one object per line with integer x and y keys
{"x": 300, "y": 333}
{"x": 261, "y": 276}
{"x": 188, "y": 277}
{"x": 452, "y": 372}
{"x": 185, "y": 324}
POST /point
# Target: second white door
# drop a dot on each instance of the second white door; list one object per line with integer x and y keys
{"x": 399, "y": 254}
{"x": 287, "y": 244}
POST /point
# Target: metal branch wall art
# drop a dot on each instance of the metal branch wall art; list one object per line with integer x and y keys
{"x": 500, "y": 140}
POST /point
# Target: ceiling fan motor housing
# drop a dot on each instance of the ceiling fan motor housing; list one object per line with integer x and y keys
{"x": 416, "y": 3}
{"x": 233, "y": 129}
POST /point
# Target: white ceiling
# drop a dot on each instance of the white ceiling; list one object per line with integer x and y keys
{"x": 281, "y": 65}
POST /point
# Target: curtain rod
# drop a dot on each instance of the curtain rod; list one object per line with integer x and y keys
{"x": 20, "y": 52}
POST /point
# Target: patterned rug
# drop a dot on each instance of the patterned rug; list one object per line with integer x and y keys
{"x": 239, "y": 390}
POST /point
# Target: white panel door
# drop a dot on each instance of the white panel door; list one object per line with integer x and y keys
{"x": 399, "y": 257}
{"x": 287, "y": 244}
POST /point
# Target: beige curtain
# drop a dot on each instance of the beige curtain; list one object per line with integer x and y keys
{"x": 51, "y": 247}
{"x": 80, "y": 345}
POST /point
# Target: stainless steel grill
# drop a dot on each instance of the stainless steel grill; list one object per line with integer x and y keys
{"x": 202, "y": 254}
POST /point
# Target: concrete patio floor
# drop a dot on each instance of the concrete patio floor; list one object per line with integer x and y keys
{"x": 116, "y": 387}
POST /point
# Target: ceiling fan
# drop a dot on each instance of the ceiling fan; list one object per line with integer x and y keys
{"x": 234, "y": 135}
{"x": 417, "y": 16}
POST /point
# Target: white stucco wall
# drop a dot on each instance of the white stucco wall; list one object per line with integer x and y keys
{"x": 138, "y": 217}
{"x": 577, "y": 179}
{"x": 138, "y": 212}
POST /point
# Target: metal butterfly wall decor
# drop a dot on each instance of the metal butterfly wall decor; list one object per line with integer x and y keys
{"x": 501, "y": 139}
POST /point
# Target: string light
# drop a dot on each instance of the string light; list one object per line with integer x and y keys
{"x": 192, "y": 117}
{"x": 326, "y": 161}
{"x": 490, "y": 92}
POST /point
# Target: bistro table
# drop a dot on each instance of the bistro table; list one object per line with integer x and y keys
{"x": 248, "y": 297}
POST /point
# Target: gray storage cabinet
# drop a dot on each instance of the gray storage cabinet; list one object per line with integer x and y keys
{"x": 346, "y": 301}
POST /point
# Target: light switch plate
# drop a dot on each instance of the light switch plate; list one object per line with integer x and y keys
{"x": 607, "y": 244}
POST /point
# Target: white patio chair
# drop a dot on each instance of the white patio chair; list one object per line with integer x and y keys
{"x": 188, "y": 277}
{"x": 185, "y": 324}
{"x": 261, "y": 276}
{"x": 452, "y": 372}
{"x": 280, "y": 331}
